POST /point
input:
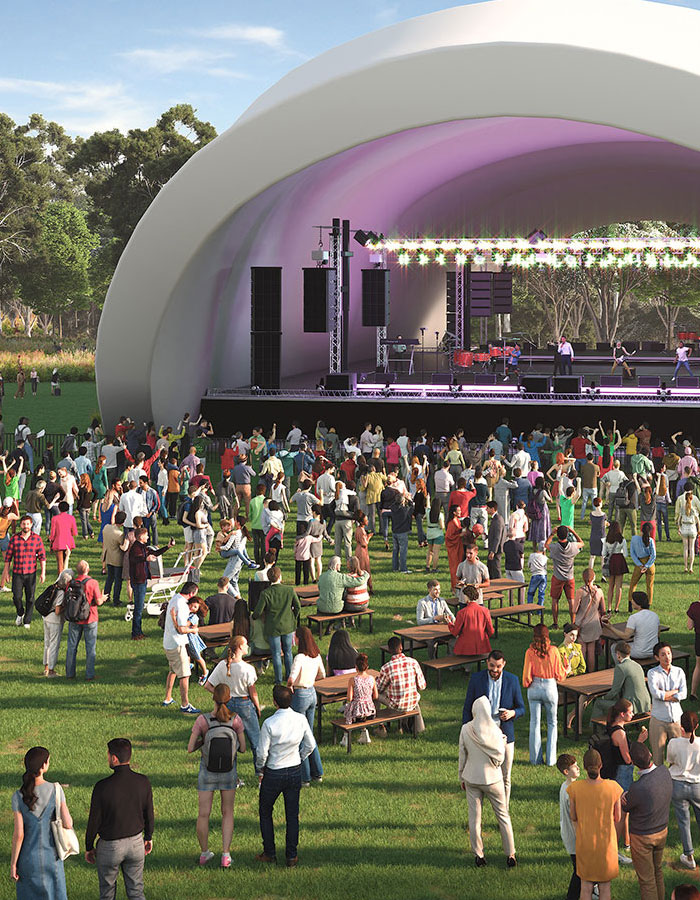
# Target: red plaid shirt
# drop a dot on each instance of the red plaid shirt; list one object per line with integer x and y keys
{"x": 401, "y": 679}
{"x": 25, "y": 553}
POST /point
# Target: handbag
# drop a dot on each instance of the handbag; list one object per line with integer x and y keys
{"x": 65, "y": 839}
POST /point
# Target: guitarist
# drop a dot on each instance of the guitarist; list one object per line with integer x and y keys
{"x": 620, "y": 357}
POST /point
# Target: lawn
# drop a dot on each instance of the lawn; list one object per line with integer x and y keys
{"x": 388, "y": 821}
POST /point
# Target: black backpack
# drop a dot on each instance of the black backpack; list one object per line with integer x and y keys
{"x": 75, "y": 603}
{"x": 601, "y": 742}
{"x": 184, "y": 507}
{"x": 621, "y": 496}
{"x": 44, "y": 602}
{"x": 220, "y": 746}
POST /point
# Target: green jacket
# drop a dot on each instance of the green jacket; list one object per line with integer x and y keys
{"x": 628, "y": 682}
{"x": 255, "y": 514}
{"x": 279, "y": 606}
{"x": 331, "y": 586}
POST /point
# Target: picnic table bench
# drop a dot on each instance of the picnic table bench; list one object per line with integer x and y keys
{"x": 513, "y": 614}
{"x": 332, "y": 689}
{"x": 582, "y": 688}
{"x": 383, "y": 718}
{"x": 420, "y": 635}
{"x": 385, "y": 651}
{"x": 439, "y": 664}
{"x": 489, "y": 598}
{"x": 321, "y": 619}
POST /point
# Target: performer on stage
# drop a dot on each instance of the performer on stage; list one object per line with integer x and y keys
{"x": 620, "y": 357}
{"x": 682, "y": 354}
{"x": 513, "y": 362}
{"x": 566, "y": 356}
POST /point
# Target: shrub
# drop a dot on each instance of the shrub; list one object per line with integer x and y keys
{"x": 74, "y": 365}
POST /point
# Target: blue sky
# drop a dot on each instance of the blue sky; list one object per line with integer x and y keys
{"x": 119, "y": 63}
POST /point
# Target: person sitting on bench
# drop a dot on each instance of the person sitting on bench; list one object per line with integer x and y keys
{"x": 399, "y": 681}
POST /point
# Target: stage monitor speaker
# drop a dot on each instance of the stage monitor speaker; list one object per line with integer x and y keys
{"x": 579, "y": 346}
{"x": 480, "y": 298}
{"x": 484, "y": 379}
{"x": 649, "y": 381}
{"x": 688, "y": 381}
{"x": 265, "y": 359}
{"x": 441, "y": 378}
{"x": 375, "y": 297}
{"x": 266, "y": 299}
{"x": 319, "y": 285}
{"x": 502, "y": 284}
{"x": 341, "y": 381}
{"x": 535, "y": 384}
{"x": 603, "y": 346}
{"x": 567, "y": 384}
{"x": 611, "y": 381}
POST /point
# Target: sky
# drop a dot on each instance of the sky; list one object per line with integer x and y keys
{"x": 120, "y": 63}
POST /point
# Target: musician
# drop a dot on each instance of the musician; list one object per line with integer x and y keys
{"x": 682, "y": 354}
{"x": 566, "y": 356}
{"x": 620, "y": 357}
{"x": 513, "y": 361}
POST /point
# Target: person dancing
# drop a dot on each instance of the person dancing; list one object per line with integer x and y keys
{"x": 620, "y": 356}
{"x": 682, "y": 355}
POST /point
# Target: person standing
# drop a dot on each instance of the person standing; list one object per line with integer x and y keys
{"x": 285, "y": 740}
{"x": 114, "y": 545}
{"x": 53, "y": 624}
{"x": 643, "y": 555}
{"x": 682, "y": 356}
{"x": 85, "y": 628}
{"x": 648, "y": 802}
{"x": 121, "y": 813}
{"x": 588, "y": 609}
{"x": 667, "y": 687}
{"x": 139, "y": 554}
{"x": 542, "y": 669}
{"x": 278, "y": 606}
{"x": 683, "y": 757}
{"x": 482, "y": 748}
{"x": 496, "y": 539}
{"x": 307, "y": 668}
{"x": 595, "y": 810}
{"x": 563, "y": 552}
{"x": 566, "y": 357}
{"x": 177, "y": 627}
{"x": 502, "y": 689}
{"x": 34, "y": 865}
{"x": 25, "y": 551}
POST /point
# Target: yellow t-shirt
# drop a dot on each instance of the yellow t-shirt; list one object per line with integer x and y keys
{"x": 630, "y": 442}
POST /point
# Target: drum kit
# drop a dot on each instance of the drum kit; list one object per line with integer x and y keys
{"x": 467, "y": 359}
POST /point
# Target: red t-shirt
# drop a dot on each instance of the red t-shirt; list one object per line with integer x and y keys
{"x": 92, "y": 592}
{"x": 473, "y": 627}
{"x": 349, "y": 467}
{"x": 578, "y": 446}
{"x": 461, "y": 499}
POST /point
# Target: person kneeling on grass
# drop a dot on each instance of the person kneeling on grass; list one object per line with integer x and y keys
{"x": 362, "y": 692}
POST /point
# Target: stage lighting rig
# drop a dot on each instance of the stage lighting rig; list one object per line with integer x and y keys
{"x": 367, "y": 237}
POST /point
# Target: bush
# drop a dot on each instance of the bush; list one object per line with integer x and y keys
{"x": 76, "y": 365}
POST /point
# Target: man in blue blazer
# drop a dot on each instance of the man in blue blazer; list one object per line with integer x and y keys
{"x": 502, "y": 689}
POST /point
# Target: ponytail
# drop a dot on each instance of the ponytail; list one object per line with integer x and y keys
{"x": 688, "y": 503}
{"x": 620, "y": 706}
{"x": 234, "y": 646}
{"x": 34, "y": 759}
{"x": 689, "y": 722}
{"x": 222, "y": 695}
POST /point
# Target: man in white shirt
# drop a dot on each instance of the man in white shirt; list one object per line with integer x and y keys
{"x": 404, "y": 443}
{"x": 521, "y": 459}
{"x": 367, "y": 440}
{"x": 566, "y": 356}
{"x": 667, "y": 687}
{"x": 175, "y": 646}
{"x": 642, "y": 630}
{"x": 294, "y": 437}
{"x": 285, "y": 739}
{"x": 444, "y": 485}
{"x": 132, "y": 504}
{"x": 325, "y": 491}
{"x": 611, "y": 481}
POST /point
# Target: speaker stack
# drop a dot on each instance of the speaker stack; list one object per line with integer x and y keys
{"x": 265, "y": 326}
{"x": 375, "y": 298}
{"x": 319, "y": 287}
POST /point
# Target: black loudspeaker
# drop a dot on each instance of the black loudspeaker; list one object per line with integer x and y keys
{"x": 567, "y": 384}
{"x": 611, "y": 381}
{"x": 340, "y": 381}
{"x": 484, "y": 379}
{"x": 649, "y": 381}
{"x": 535, "y": 384}
{"x": 319, "y": 286}
{"x": 603, "y": 346}
{"x": 653, "y": 346}
{"x": 442, "y": 378}
{"x": 502, "y": 293}
{"x": 375, "y": 297}
{"x": 687, "y": 381}
{"x": 265, "y": 359}
{"x": 480, "y": 299}
{"x": 265, "y": 298}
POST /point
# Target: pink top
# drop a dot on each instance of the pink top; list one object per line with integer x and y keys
{"x": 201, "y": 725}
{"x": 63, "y": 532}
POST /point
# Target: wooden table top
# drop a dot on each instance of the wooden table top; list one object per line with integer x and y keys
{"x": 215, "y": 632}
{"x": 337, "y": 684}
{"x": 590, "y": 684}
{"x": 306, "y": 591}
{"x": 423, "y": 632}
{"x": 608, "y": 635}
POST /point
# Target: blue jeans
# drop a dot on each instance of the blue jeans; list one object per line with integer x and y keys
{"x": 538, "y": 585}
{"x": 682, "y": 363}
{"x": 281, "y": 644}
{"x": 684, "y": 796}
{"x": 139, "y": 600}
{"x": 543, "y": 692}
{"x": 114, "y": 578}
{"x": 384, "y": 519}
{"x": 624, "y": 775}
{"x": 662, "y": 517}
{"x": 398, "y": 557}
{"x": 163, "y": 507}
{"x": 304, "y": 702}
{"x": 243, "y": 706}
{"x": 75, "y": 632}
{"x": 586, "y": 495}
{"x": 288, "y": 783}
{"x": 420, "y": 530}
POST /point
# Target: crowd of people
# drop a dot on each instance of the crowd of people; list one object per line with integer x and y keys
{"x": 484, "y": 503}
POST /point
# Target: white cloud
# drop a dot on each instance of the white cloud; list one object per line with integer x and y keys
{"x": 167, "y": 60}
{"x": 387, "y": 15}
{"x": 81, "y": 108}
{"x": 246, "y": 34}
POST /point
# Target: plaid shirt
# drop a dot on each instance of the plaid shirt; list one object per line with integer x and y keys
{"x": 25, "y": 553}
{"x": 401, "y": 679}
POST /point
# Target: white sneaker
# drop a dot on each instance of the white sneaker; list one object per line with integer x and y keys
{"x": 344, "y": 740}
{"x": 27, "y": 626}
{"x": 624, "y": 860}
{"x": 688, "y": 861}
{"x": 595, "y": 892}
{"x": 364, "y": 737}
{"x": 19, "y": 621}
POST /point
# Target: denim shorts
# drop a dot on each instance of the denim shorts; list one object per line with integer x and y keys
{"x": 624, "y": 775}
{"x": 216, "y": 781}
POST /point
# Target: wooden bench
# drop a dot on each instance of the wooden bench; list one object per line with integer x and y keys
{"x": 417, "y": 645}
{"x": 513, "y": 613}
{"x": 321, "y": 619}
{"x": 488, "y": 596}
{"x": 639, "y": 719}
{"x": 452, "y": 662}
{"x": 385, "y": 718}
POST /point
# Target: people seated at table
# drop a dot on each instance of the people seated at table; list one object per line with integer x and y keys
{"x": 332, "y": 584}
{"x": 362, "y": 692}
{"x": 502, "y": 689}
{"x": 472, "y": 627}
{"x": 644, "y": 625}
{"x": 629, "y": 683}
{"x": 341, "y": 653}
{"x": 399, "y": 682}
{"x": 482, "y": 749}
{"x": 571, "y": 653}
{"x": 357, "y": 592}
{"x": 472, "y": 571}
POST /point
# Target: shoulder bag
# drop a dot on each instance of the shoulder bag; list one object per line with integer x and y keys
{"x": 65, "y": 839}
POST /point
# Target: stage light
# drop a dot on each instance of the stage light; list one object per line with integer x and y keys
{"x": 367, "y": 237}
{"x": 536, "y": 236}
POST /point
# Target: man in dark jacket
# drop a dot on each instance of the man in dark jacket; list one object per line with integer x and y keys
{"x": 401, "y": 518}
{"x": 496, "y": 539}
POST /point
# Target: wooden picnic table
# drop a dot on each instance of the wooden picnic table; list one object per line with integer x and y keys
{"x": 609, "y": 638}
{"x": 509, "y": 585}
{"x": 333, "y": 689}
{"x": 423, "y": 633}
{"x": 582, "y": 688}
{"x": 215, "y": 634}
{"x": 307, "y": 592}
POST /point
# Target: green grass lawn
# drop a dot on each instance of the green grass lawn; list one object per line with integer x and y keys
{"x": 76, "y": 406}
{"x": 388, "y": 821}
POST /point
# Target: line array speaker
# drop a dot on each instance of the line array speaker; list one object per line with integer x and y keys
{"x": 265, "y": 326}
{"x": 502, "y": 285}
{"x": 319, "y": 286}
{"x": 375, "y": 297}
{"x": 480, "y": 299}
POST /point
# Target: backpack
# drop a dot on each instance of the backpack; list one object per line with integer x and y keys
{"x": 44, "y": 602}
{"x": 161, "y": 617}
{"x": 621, "y": 498}
{"x": 601, "y": 742}
{"x": 220, "y": 746}
{"x": 184, "y": 507}
{"x": 534, "y": 510}
{"x": 75, "y": 602}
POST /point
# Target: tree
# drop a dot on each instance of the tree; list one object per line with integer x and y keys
{"x": 669, "y": 293}
{"x": 54, "y": 278}
{"x": 126, "y": 172}
{"x": 555, "y": 294}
